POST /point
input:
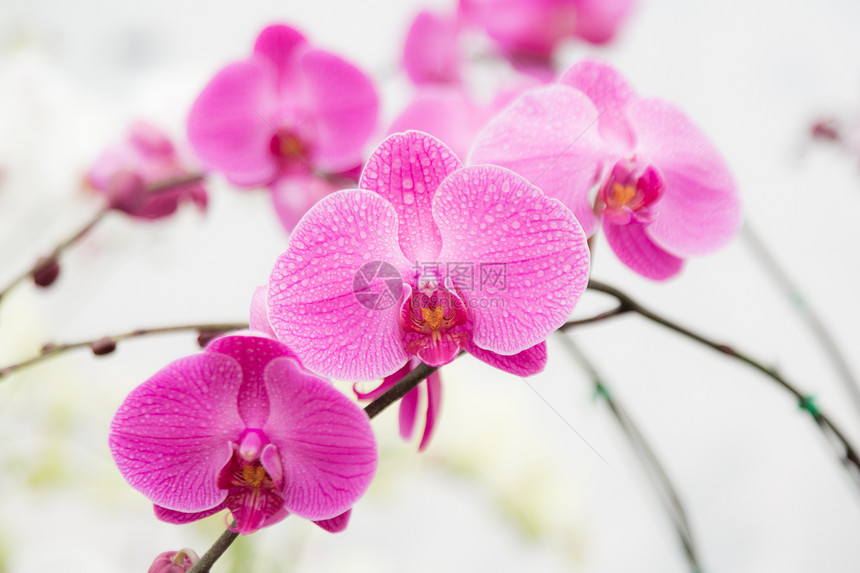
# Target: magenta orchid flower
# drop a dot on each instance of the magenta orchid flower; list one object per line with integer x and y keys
{"x": 427, "y": 259}
{"x": 534, "y": 28}
{"x": 146, "y": 157}
{"x": 289, "y": 111}
{"x": 431, "y": 53}
{"x": 664, "y": 193}
{"x": 242, "y": 426}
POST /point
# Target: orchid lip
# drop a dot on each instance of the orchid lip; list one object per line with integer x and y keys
{"x": 629, "y": 191}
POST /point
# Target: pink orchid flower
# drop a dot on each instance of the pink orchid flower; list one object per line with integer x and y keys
{"x": 289, "y": 116}
{"x": 242, "y": 426}
{"x": 534, "y": 28}
{"x": 664, "y": 193}
{"x": 431, "y": 53}
{"x": 146, "y": 157}
{"x": 427, "y": 259}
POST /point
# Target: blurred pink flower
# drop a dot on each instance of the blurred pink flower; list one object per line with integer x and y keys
{"x": 242, "y": 426}
{"x": 289, "y": 111}
{"x": 386, "y": 267}
{"x": 534, "y": 28}
{"x": 431, "y": 53}
{"x": 664, "y": 193}
{"x": 146, "y": 157}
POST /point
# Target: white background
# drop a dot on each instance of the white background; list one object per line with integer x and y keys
{"x": 506, "y": 485}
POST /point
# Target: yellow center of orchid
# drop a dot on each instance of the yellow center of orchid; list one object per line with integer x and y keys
{"x": 254, "y": 475}
{"x": 433, "y": 317}
{"x": 621, "y": 195}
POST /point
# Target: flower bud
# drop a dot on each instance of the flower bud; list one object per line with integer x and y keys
{"x": 174, "y": 561}
{"x": 46, "y": 271}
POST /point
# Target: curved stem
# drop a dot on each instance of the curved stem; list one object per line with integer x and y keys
{"x": 807, "y": 313}
{"x": 105, "y": 344}
{"x": 657, "y": 475}
{"x": 167, "y": 185}
{"x": 617, "y": 311}
{"x": 850, "y": 458}
{"x": 215, "y": 552}
{"x": 57, "y": 251}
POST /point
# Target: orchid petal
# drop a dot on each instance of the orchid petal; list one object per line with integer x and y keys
{"x": 430, "y": 53}
{"x": 526, "y": 363}
{"x": 324, "y": 440}
{"x": 548, "y": 136}
{"x": 631, "y": 244}
{"x": 700, "y": 210}
{"x": 528, "y": 250}
{"x": 171, "y": 436}
{"x": 316, "y": 302}
{"x": 344, "y": 105}
{"x": 259, "y": 321}
{"x": 280, "y": 45}
{"x": 252, "y": 353}
{"x": 434, "y": 403}
{"x": 611, "y": 95}
{"x": 294, "y": 195}
{"x": 181, "y": 518}
{"x": 406, "y": 169}
{"x": 407, "y": 413}
{"x": 227, "y": 126}
{"x": 335, "y": 524}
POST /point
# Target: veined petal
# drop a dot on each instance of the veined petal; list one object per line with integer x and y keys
{"x": 631, "y": 244}
{"x": 344, "y": 105}
{"x": 336, "y": 524}
{"x": 529, "y": 252}
{"x": 549, "y": 136}
{"x": 526, "y": 363}
{"x": 252, "y": 353}
{"x": 406, "y": 169}
{"x": 171, "y": 436}
{"x": 317, "y": 301}
{"x": 254, "y": 508}
{"x": 700, "y": 210}
{"x": 181, "y": 518}
{"x": 325, "y": 442}
{"x": 611, "y": 95}
{"x": 407, "y": 412}
{"x": 227, "y": 125}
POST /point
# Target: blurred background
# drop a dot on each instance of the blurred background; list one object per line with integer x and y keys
{"x": 506, "y": 485}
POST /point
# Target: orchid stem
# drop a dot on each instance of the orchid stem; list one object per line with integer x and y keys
{"x": 106, "y": 344}
{"x": 657, "y": 475}
{"x": 58, "y": 250}
{"x": 807, "y": 313}
{"x": 831, "y": 431}
{"x": 215, "y": 552}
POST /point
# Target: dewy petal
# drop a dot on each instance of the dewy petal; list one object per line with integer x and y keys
{"x": 549, "y": 136}
{"x": 526, "y": 363}
{"x": 171, "y": 436}
{"x": 611, "y": 95}
{"x": 700, "y": 210}
{"x": 325, "y": 442}
{"x": 406, "y": 169}
{"x": 335, "y": 524}
{"x": 631, "y": 244}
{"x": 294, "y": 195}
{"x": 253, "y": 508}
{"x": 313, "y": 306}
{"x": 430, "y": 53}
{"x": 259, "y": 318}
{"x": 279, "y": 44}
{"x": 227, "y": 125}
{"x": 252, "y": 353}
{"x": 434, "y": 403}
{"x": 529, "y": 253}
{"x": 344, "y": 105}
